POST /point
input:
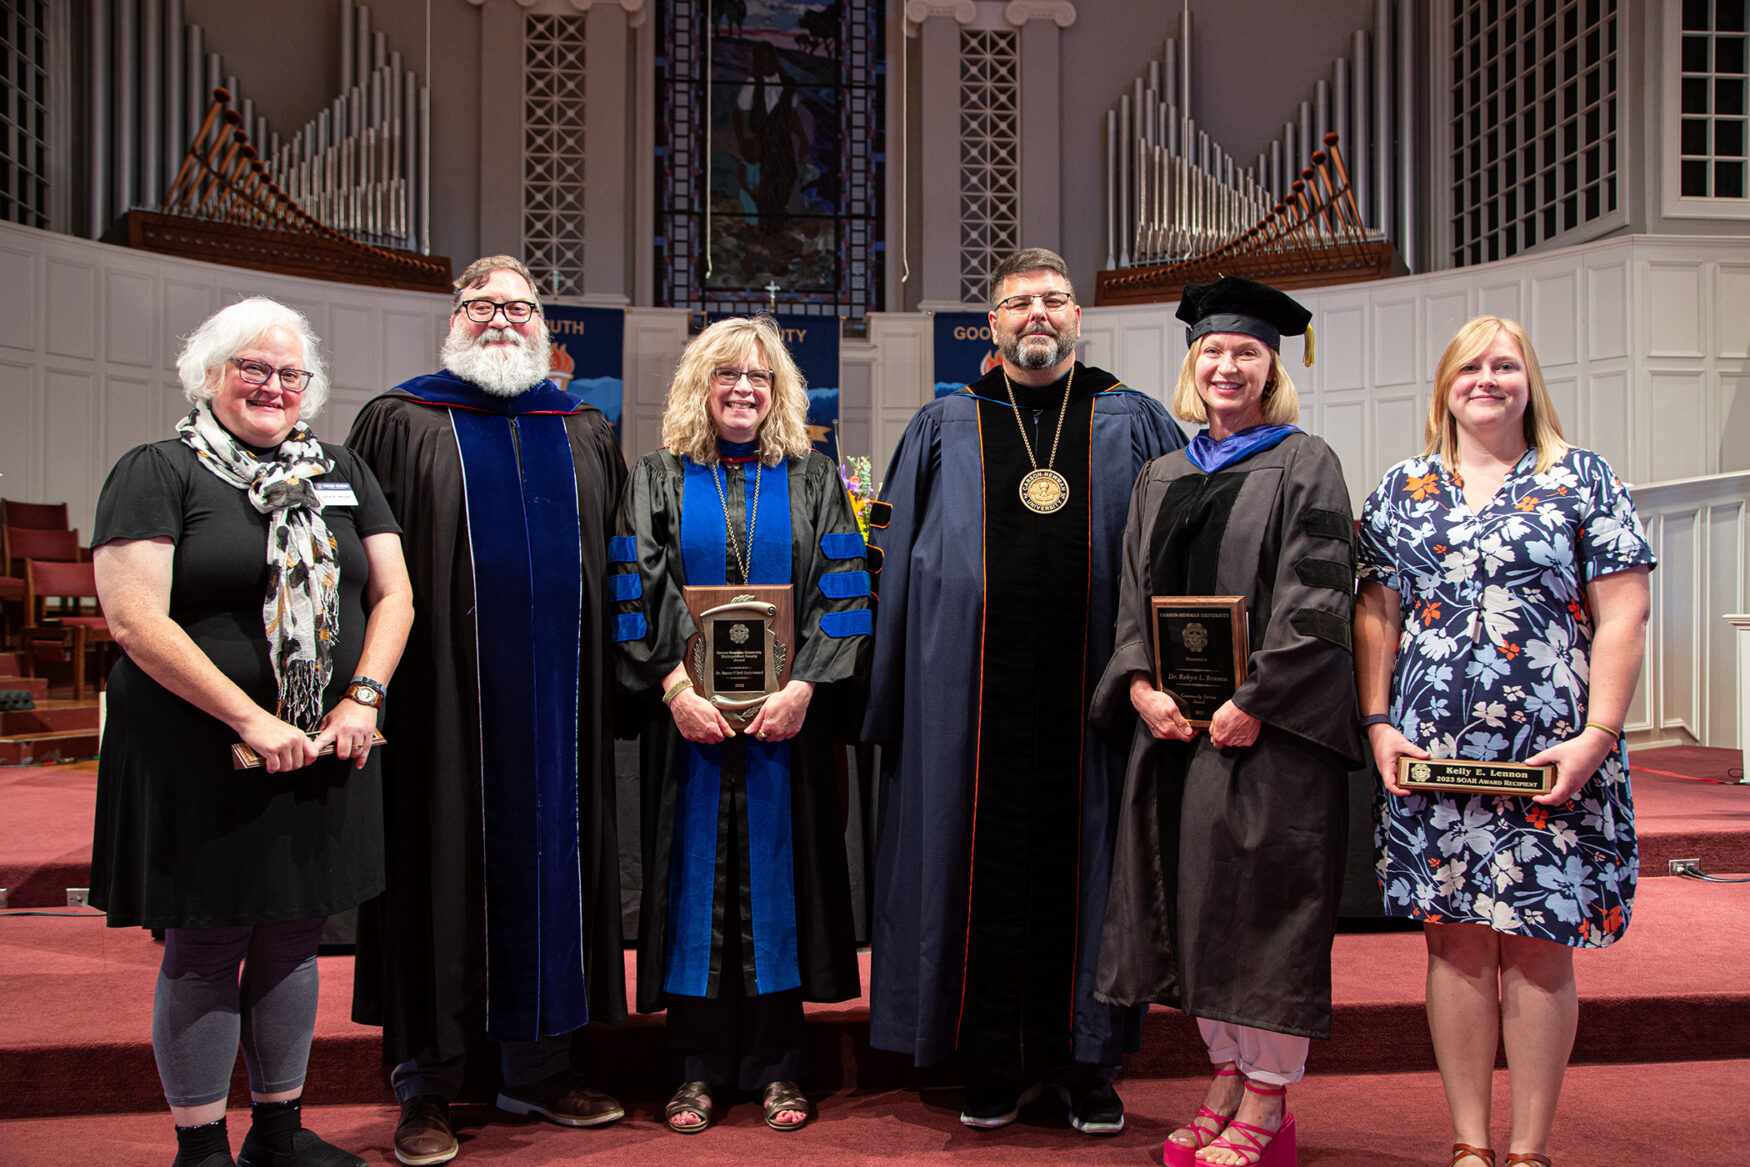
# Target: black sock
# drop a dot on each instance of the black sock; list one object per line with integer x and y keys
{"x": 194, "y": 1144}
{"x": 272, "y": 1125}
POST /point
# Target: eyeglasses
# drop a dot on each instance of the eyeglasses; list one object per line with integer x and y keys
{"x": 482, "y": 311}
{"x": 728, "y": 378}
{"x": 1053, "y": 301}
{"x": 259, "y": 373}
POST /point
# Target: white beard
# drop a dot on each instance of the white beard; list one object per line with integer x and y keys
{"x": 501, "y": 372}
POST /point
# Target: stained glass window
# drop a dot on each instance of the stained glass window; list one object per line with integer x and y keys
{"x": 770, "y": 157}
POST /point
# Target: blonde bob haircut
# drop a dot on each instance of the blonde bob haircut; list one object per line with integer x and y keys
{"x": 1281, "y": 402}
{"x": 1543, "y": 429}
{"x": 687, "y": 428}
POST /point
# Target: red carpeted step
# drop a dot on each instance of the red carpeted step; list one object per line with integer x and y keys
{"x": 49, "y": 717}
{"x": 37, "y": 687}
{"x": 49, "y": 749}
{"x": 1380, "y": 1120}
{"x": 78, "y": 996}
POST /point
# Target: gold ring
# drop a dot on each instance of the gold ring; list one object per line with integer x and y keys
{"x": 762, "y": 735}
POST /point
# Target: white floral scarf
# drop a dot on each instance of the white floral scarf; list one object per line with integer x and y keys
{"x": 301, "y": 611}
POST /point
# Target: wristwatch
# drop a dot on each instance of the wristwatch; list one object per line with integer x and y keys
{"x": 366, "y": 691}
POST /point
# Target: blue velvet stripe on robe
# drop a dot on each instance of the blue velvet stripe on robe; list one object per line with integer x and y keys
{"x": 521, "y": 490}
{"x": 767, "y": 838}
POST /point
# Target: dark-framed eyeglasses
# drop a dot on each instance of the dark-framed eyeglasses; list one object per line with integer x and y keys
{"x": 728, "y": 378}
{"x": 482, "y": 311}
{"x": 260, "y": 372}
{"x": 1053, "y": 302}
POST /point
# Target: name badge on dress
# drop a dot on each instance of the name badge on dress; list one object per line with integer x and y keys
{"x": 336, "y": 494}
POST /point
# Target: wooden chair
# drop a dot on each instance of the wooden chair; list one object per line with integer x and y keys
{"x": 32, "y": 543}
{"x": 61, "y": 625}
{"x": 38, "y": 516}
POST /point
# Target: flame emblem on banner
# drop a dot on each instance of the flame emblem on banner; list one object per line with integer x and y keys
{"x": 563, "y": 367}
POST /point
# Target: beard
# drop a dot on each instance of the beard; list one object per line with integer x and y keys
{"x": 501, "y": 372}
{"x": 1038, "y": 356}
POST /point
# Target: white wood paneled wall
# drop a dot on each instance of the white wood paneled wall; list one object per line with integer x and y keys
{"x": 88, "y": 349}
{"x": 1689, "y": 690}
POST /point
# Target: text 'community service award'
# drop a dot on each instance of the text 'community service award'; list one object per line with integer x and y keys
{"x": 741, "y": 652}
{"x": 1200, "y": 647}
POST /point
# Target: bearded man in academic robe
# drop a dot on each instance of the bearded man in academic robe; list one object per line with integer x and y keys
{"x": 997, "y": 594}
{"x": 501, "y": 919}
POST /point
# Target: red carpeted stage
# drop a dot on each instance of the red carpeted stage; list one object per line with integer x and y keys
{"x": 1664, "y": 1035}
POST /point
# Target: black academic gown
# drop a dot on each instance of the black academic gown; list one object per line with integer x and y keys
{"x": 423, "y": 969}
{"x": 998, "y": 806}
{"x": 1229, "y": 863}
{"x": 832, "y": 623}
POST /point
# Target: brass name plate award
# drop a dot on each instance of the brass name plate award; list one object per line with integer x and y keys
{"x": 741, "y": 653}
{"x": 1455, "y": 775}
{"x": 1201, "y": 645}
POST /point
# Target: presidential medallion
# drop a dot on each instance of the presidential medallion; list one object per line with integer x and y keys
{"x": 1044, "y": 491}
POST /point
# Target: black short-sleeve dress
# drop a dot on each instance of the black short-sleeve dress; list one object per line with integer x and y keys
{"x": 182, "y": 840}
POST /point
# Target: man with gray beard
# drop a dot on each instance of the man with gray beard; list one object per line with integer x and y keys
{"x": 501, "y": 919}
{"x": 1000, "y": 563}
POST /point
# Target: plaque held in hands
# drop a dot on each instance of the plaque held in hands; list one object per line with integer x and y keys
{"x": 1455, "y": 775}
{"x": 742, "y": 650}
{"x": 1200, "y": 645}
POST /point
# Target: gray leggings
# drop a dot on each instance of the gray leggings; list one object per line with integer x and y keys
{"x": 203, "y": 1008}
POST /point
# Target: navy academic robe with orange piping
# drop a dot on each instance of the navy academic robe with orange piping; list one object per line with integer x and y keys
{"x": 998, "y": 805}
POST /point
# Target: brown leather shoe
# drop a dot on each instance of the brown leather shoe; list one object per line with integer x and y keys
{"x": 423, "y": 1136}
{"x": 562, "y": 1099}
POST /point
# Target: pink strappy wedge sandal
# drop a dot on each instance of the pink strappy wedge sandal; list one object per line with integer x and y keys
{"x": 1205, "y": 1126}
{"x": 1261, "y": 1147}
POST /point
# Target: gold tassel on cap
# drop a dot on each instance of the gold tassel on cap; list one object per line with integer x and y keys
{"x": 1309, "y": 345}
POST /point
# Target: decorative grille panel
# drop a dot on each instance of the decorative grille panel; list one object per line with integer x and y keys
{"x": 553, "y": 152}
{"x": 24, "y": 84}
{"x": 1713, "y": 80}
{"x": 1534, "y": 122}
{"x": 990, "y": 156}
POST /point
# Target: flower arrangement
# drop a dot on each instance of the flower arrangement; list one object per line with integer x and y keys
{"x": 859, "y": 483}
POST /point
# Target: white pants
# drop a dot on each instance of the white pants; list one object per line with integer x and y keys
{"x": 1276, "y": 1059}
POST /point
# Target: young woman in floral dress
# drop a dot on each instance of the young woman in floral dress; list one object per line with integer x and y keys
{"x": 1501, "y": 617}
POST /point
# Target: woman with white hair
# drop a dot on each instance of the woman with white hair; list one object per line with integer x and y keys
{"x": 253, "y": 578}
{"x": 746, "y": 908}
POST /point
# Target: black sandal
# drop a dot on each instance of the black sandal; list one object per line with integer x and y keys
{"x": 781, "y": 1096}
{"x": 693, "y": 1098}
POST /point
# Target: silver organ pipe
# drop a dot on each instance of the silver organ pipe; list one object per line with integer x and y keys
{"x": 1172, "y": 193}
{"x": 361, "y": 166}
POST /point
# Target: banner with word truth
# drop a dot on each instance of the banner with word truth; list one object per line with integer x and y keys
{"x": 588, "y": 356}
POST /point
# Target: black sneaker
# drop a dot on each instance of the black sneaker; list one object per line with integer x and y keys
{"x": 1094, "y": 1106}
{"x": 307, "y": 1151}
{"x": 995, "y": 1102}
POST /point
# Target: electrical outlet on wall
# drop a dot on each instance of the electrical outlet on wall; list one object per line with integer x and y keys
{"x": 76, "y": 896}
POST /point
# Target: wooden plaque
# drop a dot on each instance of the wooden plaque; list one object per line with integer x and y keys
{"x": 1201, "y": 644}
{"x": 244, "y": 758}
{"x": 742, "y": 651}
{"x": 1457, "y": 776}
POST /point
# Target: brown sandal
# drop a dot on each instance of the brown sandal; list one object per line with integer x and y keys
{"x": 1528, "y": 1159}
{"x": 782, "y": 1096}
{"x": 693, "y": 1098}
{"x": 1465, "y": 1150}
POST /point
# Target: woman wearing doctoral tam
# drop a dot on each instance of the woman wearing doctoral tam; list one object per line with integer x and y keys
{"x": 1501, "y": 618}
{"x": 746, "y": 910}
{"x": 1230, "y": 848}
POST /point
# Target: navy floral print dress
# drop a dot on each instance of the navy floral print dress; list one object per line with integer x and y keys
{"x": 1493, "y": 665}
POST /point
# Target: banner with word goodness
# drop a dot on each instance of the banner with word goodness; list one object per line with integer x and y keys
{"x": 964, "y": 350}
